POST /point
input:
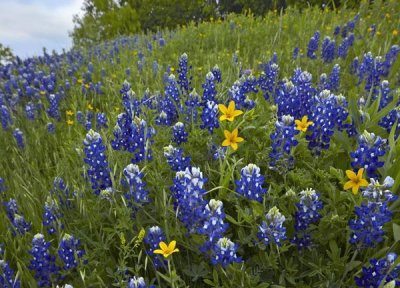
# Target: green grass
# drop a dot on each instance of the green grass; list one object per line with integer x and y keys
{"x": 108, "y": 233}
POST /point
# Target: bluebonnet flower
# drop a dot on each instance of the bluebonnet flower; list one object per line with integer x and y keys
{"x": 43, "y": 263}
{"x": 218, "y": 152}
{"x": 98, "y": 172}
{"x": 239, "y": 90}
{"x": 250, "y": 183}
{"x": 130, "y": 101}
{"x": 272, "y": 230}
{"x": 20, "y": 225}
{"x": 213, "y": 226}
{"x": 30, "y": 111}
{"x": 188, "y": 193}
{"x": 5, "y": 116}
{"x": 295, "y": 54}
{"x": 153, "y": 238}
{"x": 224, "y": 253}
{"x": 217, "y": 74}
{"x": 53, "y": 110}
{"x": 268, "y": 78}
{"x": 282, "y": 142}
{"x": 209, "y": 116}
{"x": 61, "y": 191}
{"x": 354, "y": 66}
{"x": 367, "y": 228}
{"x": 313, "y": 46}
{"x": 128, "y": 71}
{"x": 328, "y": 50}
{"x": 344, "y": 47}
{"x": 19, "y": 138}
{"x": 51, "y": 128}
{"x": 51, "y": 216}
{"x": 161, "y": 42}
{"x": 385, "y": 93}
{"x": 70, "y": 252}
{"x": 184, "y": 82}
{"x": 370, "y": 148}
{"x": 307, "y": 213}
{"x": 2, "y": 185}
{"x": 138, "y": 282}
{"x": 334, "y": 78}
{"x": 101, "y": 121}
{"x": 137, "y": 194}
{"x": 336, "y": 31}
{"x": 390, "y": 58}
{"x": 388, "y": 120}
{"x": 7, "y": 276}
{"x": 192, "y": 102}
{"x": 209, "y": 91}
{"x": 328, "y": 114}
{"x": 175, "y": 158}
{"x": 380, "y": 272}
{"x": 133, "y": 135}
{"x": 171, "y": 90}
{"x": 154, "y": 68}
{"x": 179, "y": 134}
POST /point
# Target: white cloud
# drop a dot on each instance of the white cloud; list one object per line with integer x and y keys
{"x": 27, "y": 26}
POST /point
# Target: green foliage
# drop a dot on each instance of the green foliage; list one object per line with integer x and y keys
{"x": 6, "y": 54}
{"x": 112, "y": 238}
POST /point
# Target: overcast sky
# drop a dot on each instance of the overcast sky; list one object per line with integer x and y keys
{"x": 28, "y": 25}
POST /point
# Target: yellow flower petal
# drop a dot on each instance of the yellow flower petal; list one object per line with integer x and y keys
{"x": 222, "y": 108}
{"x": 223, "y": 117}
{"x": 158, "y": 251}
{"x": 226, "y": 142}
{"x": 360, "y": 173}
{"x": 355, "y": 189}
{"x": 163, "y": 246}
{"x": 239, "y": 139}
{"x": 231, "y": 106}
{"x": 348, "y": 185}
{"x": 227, "y": 134}
{"x": 234, "y": 146}
{"x": 363, "y": 183}
{"x": 172, "y": 245}
{"x": 351, "y": 175}
{"x": 237, "y": 113}
{"x": 235, "y": 133}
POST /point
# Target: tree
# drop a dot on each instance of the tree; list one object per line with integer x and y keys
{"x": 6, "y": 54}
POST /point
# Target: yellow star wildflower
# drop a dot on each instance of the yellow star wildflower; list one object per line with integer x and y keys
{"x": 89, "y": 106}
{"x": 356, "y": 181}
{"x": 69, "y": 112}
{"x": 166, "y": 250}
{"x": 229, "y": 112}
{"x": 303, "y": 124}
{"x": 70, "y": 122}
{"x": 231, "y": 139}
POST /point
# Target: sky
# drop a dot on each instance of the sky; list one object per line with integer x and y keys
{"x": 26, "y": 26}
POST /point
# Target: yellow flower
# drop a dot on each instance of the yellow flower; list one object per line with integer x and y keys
{"x": 370, "y": 29}
{"x": 356, "y": 181}
{"x": 42, "y": 93}
{"x": 395, "y": 32}
{"x": 69, "y": 112}
{"x": 303, "y": 124}
{"x": 231, "y": 139}
{"x": 80, "y": 81}
{"x": 87, "y": 86}
{"x": 70, "y": 122}
{"x": 229, "y": 112}
{"x": 166, "y": 250}
{"x": 89, "y": 106}
{"x": 378, "y": 33}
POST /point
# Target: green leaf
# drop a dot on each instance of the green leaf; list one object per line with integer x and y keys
{"x": 396, "y": 232}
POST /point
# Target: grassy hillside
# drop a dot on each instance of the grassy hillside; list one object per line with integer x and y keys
{"x": 72, "y": 90}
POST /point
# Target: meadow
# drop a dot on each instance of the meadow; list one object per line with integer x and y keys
{"x": 263, "y": 152}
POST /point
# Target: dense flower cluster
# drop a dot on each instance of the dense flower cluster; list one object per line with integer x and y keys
{"x": 51, "y": 216}
{"x": 175, "y": 158}
{"x": 268, "y": 79}
{"x": 213, "y": 226}
{"x": 20, "y": 225}
{"x": 153, "y": 238}
{"x": 179, "y": 134}
{"x": 382, "y": 271}
{"x": 250, "y": 183}
{"x": 188, "y": 193}
{"x": 137, "y": 194}
{"x": 98, "y": 171}
{"x": 307, "y": 214}
{"x": 43, "y": 263}
{"x": 313, "y": 46}
{"x": 272, "y": 230}
{"x": 209, "y": 116}
{"x": 240, "y": 90}
{"x": 367, "y": 228}
{"x": 370, "y": 149}
{"x": 224, "y": 253}
{"x": 70, "y": 252}
{"x": 7, "y": 276}
{"x": 184, "y": 81}
{"x": 282, "y": 141}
